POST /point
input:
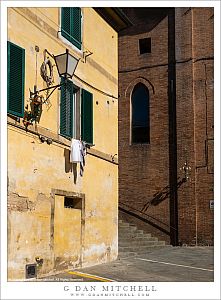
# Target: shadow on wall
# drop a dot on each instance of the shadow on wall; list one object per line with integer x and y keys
{"x": 70, "y": 167}
{"x": 144, "y": 217}
{"x": 161, "y": 195}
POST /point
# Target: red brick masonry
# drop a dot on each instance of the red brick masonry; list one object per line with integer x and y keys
{"x": 144, "y": 169}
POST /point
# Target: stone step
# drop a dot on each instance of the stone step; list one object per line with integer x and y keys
{"x": 126, "y": 254}
{"x": 136, "y": 246}
{"x": 137, "y": 238}
{"x": 130, "y": 228}
{"x": 133, "y": 235}
{"x": 136, "y": 242}
{"x": 123, "y": 224}
{"x": 143, "y": 251}
{"x": 126, "y": 225}
{"x": 140, "y": 248}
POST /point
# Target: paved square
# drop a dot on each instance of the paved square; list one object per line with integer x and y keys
{"x": 165, "y": 264}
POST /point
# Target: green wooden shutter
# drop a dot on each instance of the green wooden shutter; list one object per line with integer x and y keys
{"x": 66, "y": 109}
{"x": 76, "y": 26}
{"x": 66, "y": 23}
{"x": 71, "y": 25}
{"x": 16, "y": 79}
{"x": 87, "y": 116}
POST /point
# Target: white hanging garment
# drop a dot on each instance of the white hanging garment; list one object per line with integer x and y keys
{"x": 75, "y": 155}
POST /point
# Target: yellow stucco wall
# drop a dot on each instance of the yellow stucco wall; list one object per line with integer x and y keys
{"x": 36, "y": 169}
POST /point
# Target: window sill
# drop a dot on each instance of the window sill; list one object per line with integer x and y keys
{"x": 14, "y": 117}
{"x": 70, "y": 45}
{"x": 89, "y": 145}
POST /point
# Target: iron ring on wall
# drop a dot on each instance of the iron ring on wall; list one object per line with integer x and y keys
{"x": 47, "y": 65}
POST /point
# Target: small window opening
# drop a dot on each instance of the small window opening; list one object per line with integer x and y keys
{"x": 31, "y": 271}
{"x": 75, "y": 203}
{"x": 145, "y": 45}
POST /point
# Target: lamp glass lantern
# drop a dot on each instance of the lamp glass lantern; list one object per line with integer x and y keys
{"x": 66, "y": 64}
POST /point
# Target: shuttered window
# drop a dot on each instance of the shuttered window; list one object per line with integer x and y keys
{"x": 71, "y": 25}
{"x": 16, "y": 79}
{"x": 66, "y": 109}
{"x": 87, "y": 116}
{"x": 70, "y": 113}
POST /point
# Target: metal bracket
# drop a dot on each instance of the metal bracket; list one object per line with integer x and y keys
{"x": 86, "y": 55}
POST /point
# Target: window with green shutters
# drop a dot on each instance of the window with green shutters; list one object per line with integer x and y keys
{"x": 71, "y": 25}
{"x": 16, "y": 79}
{"x": 87, "y": 116}
{"x": 74, "y": 116}
{"x": 66, "y": 109}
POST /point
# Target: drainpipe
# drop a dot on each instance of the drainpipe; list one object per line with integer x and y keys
{"x": 172, "y": 129}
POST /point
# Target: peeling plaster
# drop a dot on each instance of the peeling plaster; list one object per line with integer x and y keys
{"x": 19, "y": 203}
{"x": 95, "y": 249}
{"x": 91, "y": 213}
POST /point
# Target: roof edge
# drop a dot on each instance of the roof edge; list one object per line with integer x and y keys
{"x": 114, "y": 17}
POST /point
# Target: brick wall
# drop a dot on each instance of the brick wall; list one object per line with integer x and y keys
{"x": 204, "y": 120}
{"x": 185, "y": 124}
{"x": 144, "y": 169}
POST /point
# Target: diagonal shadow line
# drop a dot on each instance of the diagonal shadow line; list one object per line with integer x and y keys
{"x": 161, "y": 196}
{"x": 136, "y": 215}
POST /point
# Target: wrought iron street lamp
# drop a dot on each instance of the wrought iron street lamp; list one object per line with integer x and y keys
{"x": 66, "y": 65}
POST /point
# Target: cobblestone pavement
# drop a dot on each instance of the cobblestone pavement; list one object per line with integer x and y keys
{"x": 167, "y": 264}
